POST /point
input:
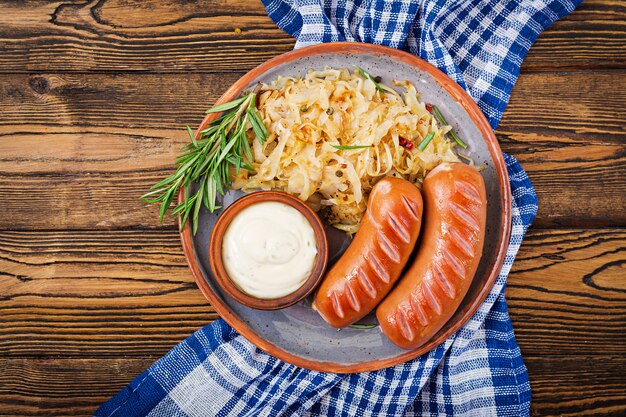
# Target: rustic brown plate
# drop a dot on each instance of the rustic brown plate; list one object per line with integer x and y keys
{"x": 297, "y": 334}
{"x": 219, "y": 270}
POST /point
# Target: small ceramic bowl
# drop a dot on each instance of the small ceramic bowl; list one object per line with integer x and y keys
{"x": 217, "y": 264}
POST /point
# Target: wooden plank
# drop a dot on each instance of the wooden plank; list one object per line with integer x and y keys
{"x": 568, "y": 132}
{"x": 112, "y": 101}
{"x": 577, "y": 385}
{"x": 593, "y": 36}
{"x": 74, "y": 386}
{"x": 63, "y": 387}
{"x": 162, "y": 36}
{"x": 112, "y": 293}
{"x": 89, "y": 291}
{"x": 583, "y": 107}
{"x": 202, "y": 36}
{"x": 69, "y": 159}
{"x": 567, "y": 291}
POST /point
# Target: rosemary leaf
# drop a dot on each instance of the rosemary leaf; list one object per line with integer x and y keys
{"x": 215, "y": 123}
{"x": 163, "y": 182}
{"x": 235, "y": 160}
{"x": 443, "y": 121}
{"x": 191, "y": 136}
{"x": 167, "y": 201}
{"x": 225, "y": 151}
{"x": 226, "y": 106}
{"x": 185, "y": 215}
{"x": 197, "y": 205}
{"x": 369, "y": 77}
{"x": 424, "y": 143}
{"x": 185, "y": 157}
{"x": 363, "y": 326}
{"x": 246, "y": 149}
{"x": 153, "y": 192}
{"x": 256, "y": 126}
{"x": 201, "y": 169}
{"x": 205, "y": 196}
{"x": 266, "y": 133}
{"x": 350, "y": 147}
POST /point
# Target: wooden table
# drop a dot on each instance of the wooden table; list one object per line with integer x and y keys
{"x": 93, "y": 98}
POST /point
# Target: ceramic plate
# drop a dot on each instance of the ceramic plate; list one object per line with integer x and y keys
{"x": 298, "y": 334}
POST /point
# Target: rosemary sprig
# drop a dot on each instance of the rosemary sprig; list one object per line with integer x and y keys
{"x": 443, "y": 121}
{"x": 207, "y": 160}
{"x": 350, "y": 147}
{"x": 369, "y": 77}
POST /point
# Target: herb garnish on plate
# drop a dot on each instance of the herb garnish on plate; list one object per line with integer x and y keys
{"x": 208, "y": 159}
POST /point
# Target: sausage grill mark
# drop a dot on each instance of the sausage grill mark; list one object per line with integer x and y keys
{"x": 378, "y": 268}
{"x": 464, "y": 217}
{"x": 400, "y": 228}
{"x": 431, "y": 298}
{"x": 468, "y": 191}
{"x": 336, "y": 304}
{"x": 403, "y": 321}
{"x": 460, "y": 241}
{"x": 456, "y": 266}
{"x": 365, "y": 282}
{"x": 413, "y": 211}
{"x": 444, "y": 283}
{"x": 418, "y": 309}
{"x": 385, "y": 244}
{"x": 352, "y": 298}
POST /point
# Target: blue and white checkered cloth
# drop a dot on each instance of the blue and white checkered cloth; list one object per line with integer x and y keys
{"x": 477, "y": 371}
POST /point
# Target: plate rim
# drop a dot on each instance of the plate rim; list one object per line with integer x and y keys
{"x": 475, "y": 114}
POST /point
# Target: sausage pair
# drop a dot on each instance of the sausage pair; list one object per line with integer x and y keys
{"x": 447, "y": 258}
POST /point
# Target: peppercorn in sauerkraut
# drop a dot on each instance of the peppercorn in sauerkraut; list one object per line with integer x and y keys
{"x": 334, "y": 133}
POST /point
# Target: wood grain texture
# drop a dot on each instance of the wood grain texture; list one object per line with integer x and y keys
{"x": 76, "y": 386}
{"x": 577, "y": 386}
{"x": 63, "y": 387}
{"x": 592, "y": 37}
{"x": 567, "y": 290}
{"x": 72, "y": 143}
{"x": 113, "y": 293}
{"x": 86, "y": 293}
{"x": 161, "y": 36}
{"x": 201, "y": 36}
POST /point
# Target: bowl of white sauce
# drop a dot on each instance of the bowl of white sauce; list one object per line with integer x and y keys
{"x": 268, "y": 250}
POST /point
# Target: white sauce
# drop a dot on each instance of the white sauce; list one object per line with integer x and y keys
{"x": 269, "y": 249}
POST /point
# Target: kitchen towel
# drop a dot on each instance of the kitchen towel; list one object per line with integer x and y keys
{"x": 477, "y": 371}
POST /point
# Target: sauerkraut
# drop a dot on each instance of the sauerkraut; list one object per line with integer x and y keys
{"x": 333, "y": 134}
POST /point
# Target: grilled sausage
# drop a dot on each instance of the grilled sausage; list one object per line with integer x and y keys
{"x": 374, "y": 260}
{"x": 431, "y": 290}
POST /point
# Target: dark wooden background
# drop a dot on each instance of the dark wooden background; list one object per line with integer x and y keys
{"x": 93, "y": 98}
